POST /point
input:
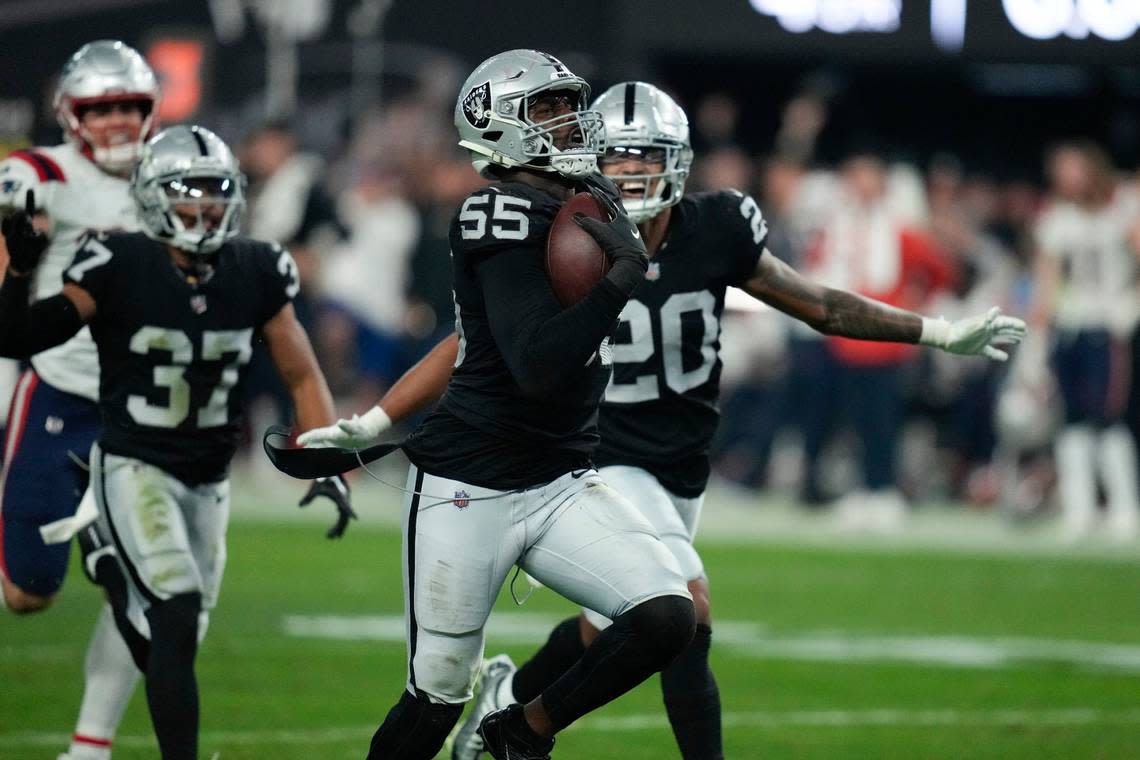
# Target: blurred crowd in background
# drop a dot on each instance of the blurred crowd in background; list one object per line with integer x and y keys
{"x": 828, "y": 420}
{"x": 364, "y": 205}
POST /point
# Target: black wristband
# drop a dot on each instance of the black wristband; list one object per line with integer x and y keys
{"x": 626, "y": 274}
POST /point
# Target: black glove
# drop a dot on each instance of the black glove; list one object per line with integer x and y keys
{"x": 336, "y": 489}
{"x": 619, "y": 237}
{"x": 25, "y": 243}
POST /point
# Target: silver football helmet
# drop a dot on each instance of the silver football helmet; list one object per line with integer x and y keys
{"x": 644, "y": 123}
{"x": 101, "y": 72}
{"x": 525, "y": 108}
{"x": 188, "y": 172}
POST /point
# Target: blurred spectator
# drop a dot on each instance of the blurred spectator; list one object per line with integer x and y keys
{"x": 365, "y": 283}
{"x": 961, "y": 394}
{"x": 1086, "y": 291}
{"x": 865, "y": 247}
{"x": 287, "y": 204}
{"x": 431, "y": 312}
{"x": 717, "y": 116}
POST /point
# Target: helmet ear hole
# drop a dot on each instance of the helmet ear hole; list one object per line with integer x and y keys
{"x": 493, "y": 137}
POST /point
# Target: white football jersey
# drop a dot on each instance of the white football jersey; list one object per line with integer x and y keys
{"x": 1098, "y": 268}
{"x": 77, "y": 196}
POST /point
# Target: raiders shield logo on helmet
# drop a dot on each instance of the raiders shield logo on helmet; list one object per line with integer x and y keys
{"x": 477, "y": 106}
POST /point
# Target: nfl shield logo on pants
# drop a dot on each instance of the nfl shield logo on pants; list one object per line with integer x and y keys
{"x": 462, "y": 499}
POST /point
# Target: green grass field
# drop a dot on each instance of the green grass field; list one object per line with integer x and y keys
{"x": 823, "y": 651}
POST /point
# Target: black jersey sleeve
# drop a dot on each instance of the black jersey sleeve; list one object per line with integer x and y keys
{"x": 26, "y": 330}
{"x": 544, "y": 345}
{"x": 747, "y": 234}
{"x": 279, "y": 276}
{"x": 93, "y": 267}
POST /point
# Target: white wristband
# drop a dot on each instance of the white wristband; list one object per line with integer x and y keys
{"x": 935, "y": 332}
{"x": 376, "y": 419}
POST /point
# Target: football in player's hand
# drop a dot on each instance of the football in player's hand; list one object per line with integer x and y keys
{"x": 575, "y": 262}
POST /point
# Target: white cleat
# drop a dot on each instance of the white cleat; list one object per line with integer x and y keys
{"x": 466, "y": 742}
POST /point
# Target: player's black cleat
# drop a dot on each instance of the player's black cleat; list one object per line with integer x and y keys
{"x": 506, "y": 736}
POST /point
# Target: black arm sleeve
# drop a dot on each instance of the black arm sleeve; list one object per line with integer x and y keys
{"x": 545, "y": 346}
{"x": 26, "y": 330}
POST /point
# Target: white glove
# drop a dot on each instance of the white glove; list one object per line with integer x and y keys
{"x": 974, "y": 335}
{"x": 356, "y": 433}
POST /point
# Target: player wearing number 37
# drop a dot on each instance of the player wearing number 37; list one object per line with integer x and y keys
{"x": 174, "y": 311}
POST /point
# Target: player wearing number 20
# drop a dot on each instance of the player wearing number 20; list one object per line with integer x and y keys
{"x": 660, "y": 407}
{"x": 173, "y": 311}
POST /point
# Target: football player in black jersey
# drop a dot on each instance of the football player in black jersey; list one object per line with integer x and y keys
{"x": 173, "y": 311}
{"x": 501, "y": 472}
{"x": 660, "y": 408}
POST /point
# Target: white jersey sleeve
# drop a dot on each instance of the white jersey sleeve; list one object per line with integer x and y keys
{"x": 77, "y": 196}
{"x": 18, "y": 175}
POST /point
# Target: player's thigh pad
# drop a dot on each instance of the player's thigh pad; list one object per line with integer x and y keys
{"x": 170, "y": 537}
{"x": 673, "y": 517}
{"x": 49, "y": 433}
{"x": 460, "y": 542}
{"x": 590, "y": 544}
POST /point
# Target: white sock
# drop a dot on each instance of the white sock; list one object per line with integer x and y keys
{"x": 110, "y": 678}
{"x": 506, "y": 694}
{"x": 1118, "y": 469}
{"x": 1076, "y": 479}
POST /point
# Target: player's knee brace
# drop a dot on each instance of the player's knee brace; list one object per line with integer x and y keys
{"x": 663, "y": 626}
{"x": 174, "y": 628}
{"x": 415, "y": 729}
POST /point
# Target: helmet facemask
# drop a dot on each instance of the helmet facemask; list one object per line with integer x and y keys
{"x": 195, "y": 211}
{"x": 646, "y": 194}
{"x": 561, "y": 133}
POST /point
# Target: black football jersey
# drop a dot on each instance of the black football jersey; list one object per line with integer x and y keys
{"x": 487, "y": 430}
{"x": 173, "y": 356}
{"x": 660, "y": 410}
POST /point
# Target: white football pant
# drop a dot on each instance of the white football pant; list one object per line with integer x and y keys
{"x": 575, "y": 535}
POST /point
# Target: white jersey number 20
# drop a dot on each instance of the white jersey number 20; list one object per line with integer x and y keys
{"x": 640, "y": 347}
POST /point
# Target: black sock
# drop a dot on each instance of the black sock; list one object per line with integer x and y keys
{"x": 692, "y": 700}
{"x": 640, "y": 642}
{"x": 414, "y": 729}
{"x": 522, "y": 734}
{"x": 562, "y": 649}
{"x": 171, "y": 688}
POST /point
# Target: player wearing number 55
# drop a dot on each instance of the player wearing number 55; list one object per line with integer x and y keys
{"x": 659, "y": 412}
{"x": 174, "y": 311}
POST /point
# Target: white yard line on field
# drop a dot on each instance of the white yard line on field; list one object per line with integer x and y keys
{"x": 1060, "y": 717}
{"x": 754, "y": 640}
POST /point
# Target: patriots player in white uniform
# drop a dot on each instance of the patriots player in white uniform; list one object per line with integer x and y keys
{"x": 106, "y": 103}
{"x": 1086, "y": 273}
{"x": 659, "y": 412}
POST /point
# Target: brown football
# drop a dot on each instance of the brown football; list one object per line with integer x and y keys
{"x": 575, "y": 262}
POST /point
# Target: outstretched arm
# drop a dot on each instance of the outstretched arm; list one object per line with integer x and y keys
{"x": 839, "y": 312}
{"x": 418, "y": 388}
{"x": 424, "y": 384}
